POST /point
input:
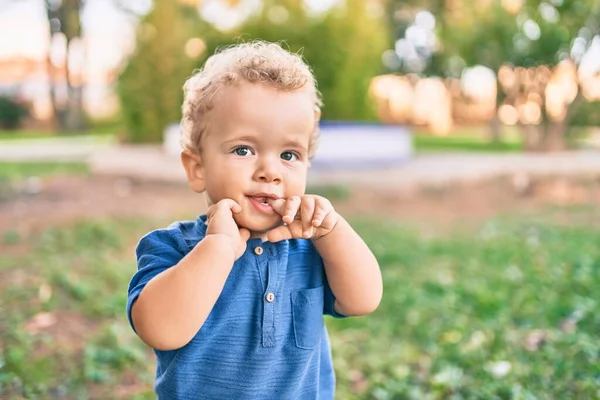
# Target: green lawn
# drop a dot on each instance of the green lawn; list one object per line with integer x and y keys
{"x": 22, "y": 170}
{"x": 474, "y": 139}
{"x": 20, "y": 135}
{"x": 464, "y": 315}
{"x": 503, "y": 312}
{"x": 464, "y": 144}
{"x": 96, "y": 128}
{"x": 467, "y": 139}
{"x": 80, "y": 274}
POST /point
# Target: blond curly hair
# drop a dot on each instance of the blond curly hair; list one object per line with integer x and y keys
{"x": 254, "y": 62}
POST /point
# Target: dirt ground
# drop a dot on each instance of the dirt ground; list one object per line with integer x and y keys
{"x": 34, "y": 206}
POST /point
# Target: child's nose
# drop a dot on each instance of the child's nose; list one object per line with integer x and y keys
{"x": 267, "y": 170}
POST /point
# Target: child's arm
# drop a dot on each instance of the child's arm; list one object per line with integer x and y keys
{"x": 173, "y": 306}
{"x": 352, "y": 269}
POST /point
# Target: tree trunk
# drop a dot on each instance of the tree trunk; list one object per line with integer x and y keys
{"x": 549, "y": 137}
{"x": 57, "y": 109}
{"x": 533, "y": 136}
{"x": 58, "y": 114}
{"x": 74, "y": 121}
{"x": 495, "y": 130}
{"x": 554, "y": 139}
{"x": 64, "y": 17}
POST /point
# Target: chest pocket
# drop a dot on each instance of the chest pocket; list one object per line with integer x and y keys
{"x": 307, "y": 313}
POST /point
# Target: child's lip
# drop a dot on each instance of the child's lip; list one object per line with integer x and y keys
{"x": 270, "y": 196}
{"x": 257, "y": 202}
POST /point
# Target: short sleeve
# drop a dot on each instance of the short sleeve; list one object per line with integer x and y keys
{"x": 156, "y": 252}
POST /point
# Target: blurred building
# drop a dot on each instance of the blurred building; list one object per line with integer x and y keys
{"x": 28, "y": 81}
{"x": 26, "y": 53}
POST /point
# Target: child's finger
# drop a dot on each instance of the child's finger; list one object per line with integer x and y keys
{"x": 322, "y": 209}
{"x": 210, "y": 212}
{"x": 230, "y": 205}
{"x": 223, "y": 205}
{"x": 318, "y": 218}
{"x": 307, "y": 209}
{"x": 291, "y": 209}
{"x": 213, "y": 211}
{"x": 280, "y": 233}
{"x": 329, "y": 220}
{"x": 278, "y": 206}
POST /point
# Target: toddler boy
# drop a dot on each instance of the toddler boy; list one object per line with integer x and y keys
{"x": 233, "y": 302}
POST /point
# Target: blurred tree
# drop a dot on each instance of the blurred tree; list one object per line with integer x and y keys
{"x": 64, "y": 21}
{"x": 342, "y": 45}
{"x": 12, "y": 112}
{"x": 520, "y": 34}
{"x": 149, "y": 86}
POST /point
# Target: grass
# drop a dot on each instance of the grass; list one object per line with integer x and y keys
{"x": 21, "y": 170}
{"x": 79, "y": 272}
{"x": 467, "y": 139}
{"x": 464, "y": 143}
{"x": 98, "y": 129}
{"x": 8, "y": 136}
{"x": 331, "y": 192}
{"x": 503, "y": 312}
{"x": 474, "y": 139}
{"x": 20, "y": 134}
{"x": 508, "y": 312}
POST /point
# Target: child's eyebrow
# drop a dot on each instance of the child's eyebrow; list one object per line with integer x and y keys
{"x": 295, "y": 144}
{"x": 240, "y": 139}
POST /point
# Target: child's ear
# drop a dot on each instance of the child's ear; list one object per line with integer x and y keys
{"x": 192, "y": 163}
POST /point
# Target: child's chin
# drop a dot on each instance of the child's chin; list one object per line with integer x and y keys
{"x": 257, "y": 225}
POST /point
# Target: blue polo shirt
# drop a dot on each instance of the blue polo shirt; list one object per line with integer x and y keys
{"x": 264, "y": 338}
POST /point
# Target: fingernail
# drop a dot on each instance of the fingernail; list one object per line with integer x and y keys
{"x": 306, "y": 234}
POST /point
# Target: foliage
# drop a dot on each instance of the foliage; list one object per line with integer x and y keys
{"x": 506, "y": 312}
{"x": 69, "y": 272}
{"x": 343, "y": 46}
{"x": 587, "y": 114}
{"x": 149, "y": 87}
{"x": 12, "y": 113}
{"x": 518, "y": 34}
{"x": 495, "y": 34}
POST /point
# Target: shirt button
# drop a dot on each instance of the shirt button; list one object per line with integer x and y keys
{"x": 270, "y": 297}
{"x": 258, "y": 250}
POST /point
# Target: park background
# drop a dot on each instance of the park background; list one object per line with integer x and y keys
{"x": 473, "y": 171}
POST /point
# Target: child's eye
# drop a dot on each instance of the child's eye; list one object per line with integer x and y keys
{"x": 289, "y": 156}
{"x": 242, "y": 151}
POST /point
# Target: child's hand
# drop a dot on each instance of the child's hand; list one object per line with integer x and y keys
{"x": 307, "y": 217}
{"x": 220, "y": 222}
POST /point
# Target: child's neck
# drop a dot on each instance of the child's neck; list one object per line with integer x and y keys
{"x": 259, "y": 235}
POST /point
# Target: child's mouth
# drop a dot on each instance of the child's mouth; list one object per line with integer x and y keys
{"x": 261, "y": 203}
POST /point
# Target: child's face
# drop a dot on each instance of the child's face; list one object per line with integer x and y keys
{"x": 257, "y": 147}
